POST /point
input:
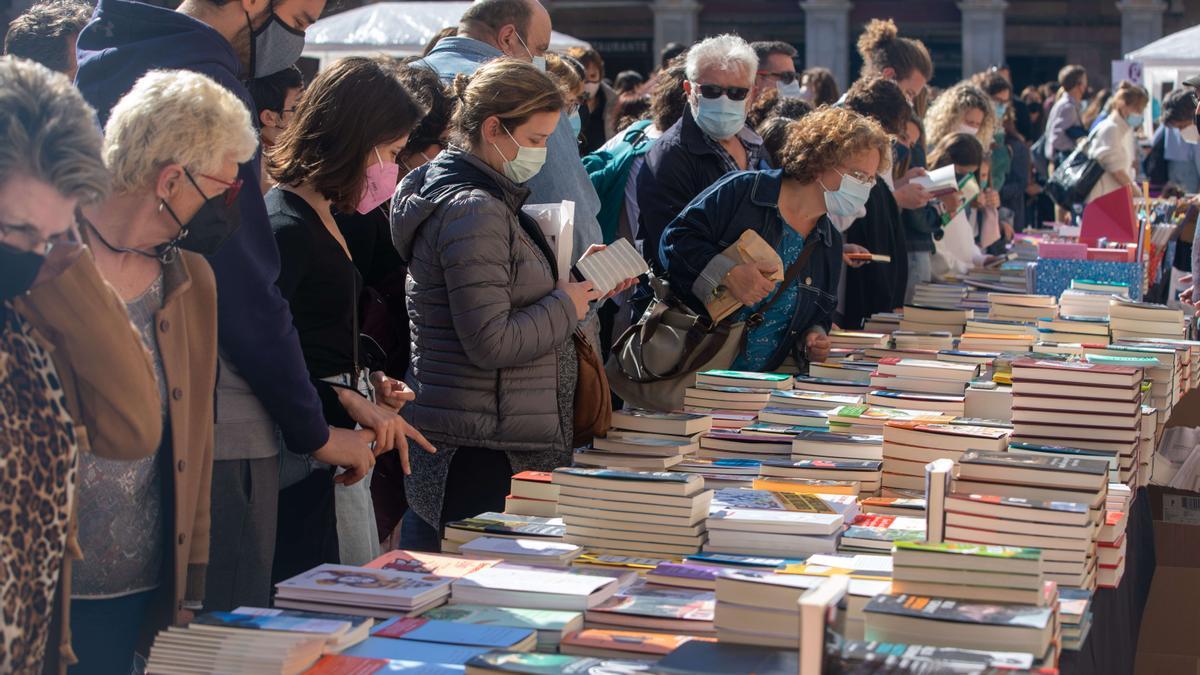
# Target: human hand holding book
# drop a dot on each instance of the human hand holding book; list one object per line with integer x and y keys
{"x": 759, "y": 270}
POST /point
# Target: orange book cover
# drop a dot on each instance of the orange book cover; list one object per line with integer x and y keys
{"x": 658, "y": 644}
{"x": 999, "y": 336}
{"x": 534, "y": 476}
{"x": 429, "y": 563}
{"x": 337, "y": 664}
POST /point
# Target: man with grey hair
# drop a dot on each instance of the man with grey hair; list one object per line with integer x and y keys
{"x": 709, "y": 141}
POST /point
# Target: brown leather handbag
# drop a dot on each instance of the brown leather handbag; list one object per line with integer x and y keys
{"x": 593, "y": 400}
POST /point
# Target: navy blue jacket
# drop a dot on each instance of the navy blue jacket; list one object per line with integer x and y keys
{"x": 680, "y": 165}
{"x": 749, "y": 200}
{"x": 125, "y": 40}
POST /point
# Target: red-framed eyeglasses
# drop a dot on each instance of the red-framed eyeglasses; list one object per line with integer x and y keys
{"x": 232, "y": 189}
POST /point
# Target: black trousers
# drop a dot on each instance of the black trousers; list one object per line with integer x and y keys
{"x": 477, "y": 481}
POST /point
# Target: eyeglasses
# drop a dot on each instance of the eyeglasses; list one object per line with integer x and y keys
{"x": 232, "y": 189}
{"x": 786, "y": 76}
{"x": 716, "y": 90}
{"x": 859, "y": 176}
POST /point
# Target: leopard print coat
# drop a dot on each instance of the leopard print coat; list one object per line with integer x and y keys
{"x": 38, "y": 455}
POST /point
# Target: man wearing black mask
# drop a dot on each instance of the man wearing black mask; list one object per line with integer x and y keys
{"x": 263, "y": 390}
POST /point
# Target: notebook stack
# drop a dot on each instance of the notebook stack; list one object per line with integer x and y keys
{"x": 633, "y": 513}
{"x": 459, "y": 532}
{"x": 645, "y": 440}
{"x": 864, "y": 419}
{"x": 1021, "y": 307}
{"x": 851, "y": 339}
{"x": 1111, "y": 549}
{"x": 909, "y": 446}
{"x": 866, "y": 472}
{"x": 927, "y": 319}
{"x": 1072, "y": 329}
{"x": 1138, "y": 320}
{"x": 758, "y": 522}
{"x": 1079, "y": 405}
{"x": 950, "y": 296}
{"x": 943, "y": 622}
{"x": 910, "y": 340}
{"x": 971, "y": 572}
{"x": 877, "y": 534}
{"x": 923, "y": 376}
{"x": 532, "y": 494}
{"x": 1032, "y": 501}
{"x": 343, "y": 589}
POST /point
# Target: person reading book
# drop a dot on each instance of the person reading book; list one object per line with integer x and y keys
{"x": 828, "y": 166}
{"x": 956, "y": 251}
{"x": 494, "y": 366}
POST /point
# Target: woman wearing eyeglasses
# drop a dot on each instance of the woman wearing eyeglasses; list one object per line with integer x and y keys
{"x": 827, "y": 167}
{"x": 172, "y": 145}
{"x": 709, "y": 141}
{"x": 339, "y": 152}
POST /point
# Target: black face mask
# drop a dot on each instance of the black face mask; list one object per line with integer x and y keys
{"x": 216, "y": 221}
{"x": 18, "y": 269}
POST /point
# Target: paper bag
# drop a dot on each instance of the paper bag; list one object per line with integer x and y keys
{"x": 749, "y": 248}
{"x": 558, "y": 224}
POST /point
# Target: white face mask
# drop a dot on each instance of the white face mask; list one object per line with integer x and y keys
{"x": 1190, "y": 134}
{"x": 965, "y": 128}
{"x": 791, "y": 89}
{"x": 525, "y": 165}
{"x": 539, "y": 62}
{"x": 591, "y": 88}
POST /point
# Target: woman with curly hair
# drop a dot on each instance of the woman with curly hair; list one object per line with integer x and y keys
{"x": 828, "y": 167}
{"x": 961, "y": 109}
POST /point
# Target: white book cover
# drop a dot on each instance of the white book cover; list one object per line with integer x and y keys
{"x": 499, "y": 547}
{"x": 616, "y": 263}
{"x": 524, "y": 579}
{"x": 380, "y": 584}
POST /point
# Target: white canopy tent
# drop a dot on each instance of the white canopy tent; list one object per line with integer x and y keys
{"x": 393, "y": 28}
{"x": 1168, "y": 60}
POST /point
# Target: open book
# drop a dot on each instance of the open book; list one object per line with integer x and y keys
{"x": 616, "y": 263}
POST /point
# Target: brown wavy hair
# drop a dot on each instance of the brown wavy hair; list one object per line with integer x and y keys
{"x": 881, "y": 46}
{"x": 509, "y": 89}
{"x": 820, "y": 140}
{"x": 351, "y": 107}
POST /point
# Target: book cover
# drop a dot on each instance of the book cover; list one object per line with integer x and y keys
{"x": 452, "y": 633}
{"x": 992, "y": 433}
{"x": 524, "y": 529}
{"x": 826, "y": 464}
{"x": 1018, "y": 502}
{"x": 534, "y": 580}
{"x": 839, "y": 439}
{"x": 942, "y": 609}
{"x": 283, "y": 620}
{"x": 727, "y": 658}
{"x": 522, "y": 663}
{"x": 686, "y": 571}
{"x": 430, "y": 653}
{"x": 651, "y": 644}
{"x": 661, "y": 603}
{"x": 746, "y": 375}
{"x": 951, "y": 659}
{"x": 362, "y": 581}
{"x": 952, "y": 548}
{"x": 636, "y": 476}
{"x": 1041, "y": 462}
{"x": 428, "y": 563}
{"x": 534, "y": 476}
{"x": 739, "y": 560}
{"x": 517, "y": 617}
{"x": 340, "y": 664}
{"x": 737, "y": 498}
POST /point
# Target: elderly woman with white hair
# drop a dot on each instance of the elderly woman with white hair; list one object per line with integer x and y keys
{"x": 709, "y": 141}
{"x": 172, "y": 145}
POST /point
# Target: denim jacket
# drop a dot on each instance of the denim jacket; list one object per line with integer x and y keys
{"x": 563, "y": 177}
{"x": 749, "y": 200}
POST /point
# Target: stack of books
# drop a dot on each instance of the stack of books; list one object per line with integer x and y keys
{"x": 850, "y": 339}
{"x": 362, "y": 591}
{"x": 633, "y": 513}
{"x": 949, "y": 404}
{"x": 758, "y": 522}
{"x": 642, "y": 606}
{"x": 532, "y": 494}
{"x": 459, "y": 532}
{"x": 538, "y": 553}
{"x": 549, "y": 624}
{"x": 1111, "y": 549}
{"x": 1075, "y": 615}
{"x": 1002, "y": 574}
{"x": 866, "y": 472}
{"x": 883, "y": 322}
{"x": 811, "y": 400}
{"x": 827, "y": 385}
{"x": 792, "y": 420}
{"x": 996, "y": 342}
{"x": 926, "y": 319}
{"x": 830, "y": 445}
{"x": 923, "y": 376}
{"x": 1033, "y": 501}
{"x": 1000, "y": 327}
{"x": 710, "y": 398}
{"x": 195, "y": 650}
{"x": 1081, "y": 405}
{"x": 1135, "y": 320}
{"x": 864, "y": 419}
{"x": 740, "y": 378}
{"x": 843, "y": 371}
{"x": 508, "y": 585}
{"x": 929, "y": 340}
{"x": 1074, "y": 329}
{"x": 751, "y": 443}
{"x": 1090, "y": 304}
{"x": 942, "y": 622}
{"x": 939, "y": 295}
{"x": 641, "y": 439}
{"x": 909, "y": 445}
{"x": 760, "y": 608}
{"x": 875, "y": 534}
{"x": 1021, "y": 307}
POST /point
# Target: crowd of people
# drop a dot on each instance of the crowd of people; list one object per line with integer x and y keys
{"x": 251, "y": 324}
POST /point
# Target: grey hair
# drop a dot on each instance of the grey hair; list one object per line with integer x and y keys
{"x": 723, "y": 52}
{"x": 175, "y": 116}
{"x": 48, "y": 132}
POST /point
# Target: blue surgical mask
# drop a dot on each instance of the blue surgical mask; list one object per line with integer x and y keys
{"x": 576, "y": 123}
{"x": 1001, "y": 108}
{"x": 850, "y": 197}
{"x": 1134, "y": 120}
{"x": 791, "y": 89}
{"x": 720, "y": 118}
{"x": 274, "y": 47}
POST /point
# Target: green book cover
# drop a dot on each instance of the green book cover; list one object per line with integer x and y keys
{"x": 852, "y": 410}
{"x": 1135, "y": 361}
{"x": 1010, "y": 552}
{"x": 743, "y": 375}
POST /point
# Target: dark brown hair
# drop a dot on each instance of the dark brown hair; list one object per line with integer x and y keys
{"x": 962, "y": 149}
{"x": 351, "y": 107}
{"x": 823, "y": 85}
{"x": 46, "y": 32}
{"x": 509, "y": 89}
{"x": 588, "y": 57}
{"x": 881, "y": 46}
{"x": 882, "y": 100}
{"x": 427, "y": 88}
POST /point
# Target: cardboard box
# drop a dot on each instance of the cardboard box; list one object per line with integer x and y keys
{"x": 1169, "y": 643}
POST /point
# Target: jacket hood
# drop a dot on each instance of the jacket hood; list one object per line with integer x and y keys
{"x": 124, "y": 36}
{"x": 426, "y": 188}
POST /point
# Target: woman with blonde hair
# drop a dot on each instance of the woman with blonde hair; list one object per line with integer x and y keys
{"x": 173, "y": 145}
{"x": 961, "y": 109}
{"x": 1113, "y": 142}
{"x": 493, "y": 364}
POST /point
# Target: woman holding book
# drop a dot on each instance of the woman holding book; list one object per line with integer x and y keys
{"x": 493, "y": 364}
{"x": 828, "y": 166}
{"x": 339, "y": 152}
{"x": 172, "y": 145}
{"x": 1114, "y": 145}
{"x": 957, "y": 251}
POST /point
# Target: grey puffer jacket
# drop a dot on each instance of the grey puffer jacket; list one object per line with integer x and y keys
{"x": 486, "y": 317}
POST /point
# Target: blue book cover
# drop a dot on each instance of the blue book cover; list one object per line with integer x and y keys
{"x": 452, "y": 633}
{"x": 412, "y": 650}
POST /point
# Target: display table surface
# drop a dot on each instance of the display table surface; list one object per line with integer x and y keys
{"x": 1117, "y": 612}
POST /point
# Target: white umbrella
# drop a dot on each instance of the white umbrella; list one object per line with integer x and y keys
{"x": 394, "y": 28}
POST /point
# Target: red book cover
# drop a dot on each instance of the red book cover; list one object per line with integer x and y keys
{"x": 337, "y": 664}
{"x": 401, "y": 627}
{"x": 534, "y": 476}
